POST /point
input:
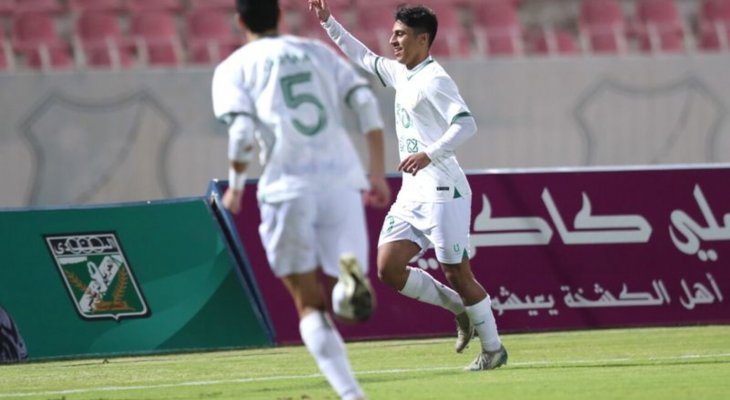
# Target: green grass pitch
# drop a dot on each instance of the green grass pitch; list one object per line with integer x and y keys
{"x": 651, "y": 363}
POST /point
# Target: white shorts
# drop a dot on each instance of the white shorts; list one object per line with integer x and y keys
{"x": 445, "y": 225}
{"x": 314, "y": 230}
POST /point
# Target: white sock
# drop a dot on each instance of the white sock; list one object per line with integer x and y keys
{"x": 482, "y": 317}
{"x": 423, "y": 287}
{"x": 326, "y": 346}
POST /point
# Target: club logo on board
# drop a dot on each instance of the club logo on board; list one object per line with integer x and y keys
{"x": 97, "y": 275}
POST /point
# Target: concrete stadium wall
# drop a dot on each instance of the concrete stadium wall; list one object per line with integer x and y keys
{"x": 104, "y": 136}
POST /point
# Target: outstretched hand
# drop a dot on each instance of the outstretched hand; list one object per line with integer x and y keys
{"x": 321, "y": 8}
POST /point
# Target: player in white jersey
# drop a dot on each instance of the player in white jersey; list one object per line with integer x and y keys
{"x": 434, "y": 203}
{"x": 287, "y": 93}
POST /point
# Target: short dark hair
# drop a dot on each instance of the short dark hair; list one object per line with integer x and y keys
{"x": 420, "y": 18}
{"x": 259, "y": 15}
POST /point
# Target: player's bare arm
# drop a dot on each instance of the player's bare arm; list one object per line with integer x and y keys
{"x": 379, "y": 194}
{"x": 321, "y": 8}
{"x": 234, "y": 194}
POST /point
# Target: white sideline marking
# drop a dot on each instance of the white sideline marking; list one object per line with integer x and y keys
{"x": 372, "y": 372}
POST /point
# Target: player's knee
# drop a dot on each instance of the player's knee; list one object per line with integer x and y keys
{"x": 392, "y": 275}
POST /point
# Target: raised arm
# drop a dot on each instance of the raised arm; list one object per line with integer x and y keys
{"x": 353, "y": 48}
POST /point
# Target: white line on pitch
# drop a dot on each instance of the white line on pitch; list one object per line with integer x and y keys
{"x": 372, "y": 372}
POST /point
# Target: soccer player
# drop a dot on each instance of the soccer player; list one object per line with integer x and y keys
{"x": 434, "y": 202}
{"x": 287, "y": 94}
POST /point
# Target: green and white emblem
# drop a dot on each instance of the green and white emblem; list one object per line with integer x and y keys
{"x": 97, "y": 276}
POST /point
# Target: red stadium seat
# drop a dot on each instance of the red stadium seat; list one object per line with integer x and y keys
{"x": 498, "y": 29}
{"x": 7, "y": 7}
{"x": 137, "y": 6}
{"x": 603, "y": 26}
{"x": 210, "y": 36}
{"x": 375, "y": 16}
{"x": 714, "y": 25}
{"x": 552, "y": 42}
{"x": 157, "y": 39}
{"x": 713, "y": 10}
{"x": 660, "y": 27}
{"x": 5, "y": 52}
{"x": 102, "y": 40}
{"x": 36, "y": 38}
{"x": 452, "y": 43}
{"x": 80, "y": 6}
{"x": 225, "y": 5}
{"x": 44, "y": 6}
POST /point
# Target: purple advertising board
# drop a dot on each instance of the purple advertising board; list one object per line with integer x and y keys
{"x": 561, "y": 249}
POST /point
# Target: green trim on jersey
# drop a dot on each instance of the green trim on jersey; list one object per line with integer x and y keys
{"x": 377, "y": 73}
{"x": 456, "y": 193}
{"x": 460, "y": 115}
{"x": 420, "y": 68}
{"x": 227, "y": 118}
{"x": 350, "y": 92}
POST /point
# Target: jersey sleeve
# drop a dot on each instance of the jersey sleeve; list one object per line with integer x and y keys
{"x": 445, "y": 98}
{"x": 230, "y": 98}
{"x": 360, "y": 54}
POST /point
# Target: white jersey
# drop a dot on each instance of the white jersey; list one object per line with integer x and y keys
{"x": 427, "y": 102}
{"x": 293, "y": 89}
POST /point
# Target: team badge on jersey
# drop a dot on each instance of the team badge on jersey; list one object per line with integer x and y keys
{"x": 97, "y": 276}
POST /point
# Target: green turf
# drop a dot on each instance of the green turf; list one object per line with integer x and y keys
{"x": 665, "y": 363}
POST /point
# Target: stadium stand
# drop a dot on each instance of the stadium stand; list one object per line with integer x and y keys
{"x": 497, "y": 28}
{"x": 714, "y": 25}
{"x": 210, "y": 36}
{"x": 137, "y": 6}
{"x": 36, "y": 39}
{"x": 659, "y": 26}
{"x": 4, "y": 52}
{"x": 7, "y": 7}
{"x": 602, "y": 26}
{"x": 43, "y": 6}
{"x": 100, "y": 39}
{"x": 79, "y": 6}
{"x": 467, "y": 28}
{"x": 553, "y": 42}
{"x": 157, "y": 38}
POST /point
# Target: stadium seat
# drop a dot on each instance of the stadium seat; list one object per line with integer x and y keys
{"x": 659, "y": 26}
{"x": 137, "y": 6}
{"x": 452, "y": 43}
{"x": 158, "y": 42}
{"x": 44, "y": 6}
{"x": 715, "y": 10}
{"x": 498, "y": 29}
{"x": 5, "y": 52}
{"x": 36, "y": 39}
{"x": 448, "y": 15}
{"x": 553, "y": 42}
{"x": 80, "y": 6}
{"x": 602, "y": 26}
{"x": 210, "y": 36}
{"x": 225, "y": 5}
{"x": 714, "y": 25}
{"x": 7, "y": 7}
{"x": 102, "y": 41}
{"x": 375, "y": 16}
